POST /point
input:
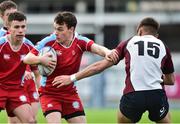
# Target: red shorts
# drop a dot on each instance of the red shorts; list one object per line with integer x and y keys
{"x": 69, "y": 106}
{"x": 30, "y": 88}
{"x": 12, "y": 98}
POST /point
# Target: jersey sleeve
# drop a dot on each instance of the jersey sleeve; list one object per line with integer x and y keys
{"x": 121, "y": 49}
{"x": 27, "y": 41}
{"x": 85, "y": 43}
{"x": 3, "y": 32}
{"x": 30, "y": 68}
{"x": 167, "y": 63}
{"x": 43, "y": 43}
{"x": 2, "y": 41}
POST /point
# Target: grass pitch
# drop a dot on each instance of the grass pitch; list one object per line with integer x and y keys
{"x": 100, "y": 116}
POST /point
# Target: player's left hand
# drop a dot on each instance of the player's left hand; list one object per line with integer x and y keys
{"x": 28, "y": 75}
{"x": 61, "y": 81}
{"x": 112, "y": 56}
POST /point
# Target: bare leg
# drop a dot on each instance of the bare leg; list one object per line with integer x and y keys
{"x": 166, "y": 119}
{"x": 13, "y": 120}
{"x": 78, "y": 119}
{"x": 35, "y": 107}
{"x": 54, "y": 117}
{"x": 25, "y": 114}
{"x": 122, "y": 118}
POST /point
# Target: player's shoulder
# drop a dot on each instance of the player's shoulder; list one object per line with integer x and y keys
{"x": 80, "y": 37}
{"x": 154, "y": 39}
{"x": 124, "y": 43}
{"x": 3, "y": 31}
{"x": 27, "y": 42}
{"x": 47, "y": 39}
{"x": 145, "y": 38}
{"x": 136, "y": 38}
{"x": 3, "y": 40}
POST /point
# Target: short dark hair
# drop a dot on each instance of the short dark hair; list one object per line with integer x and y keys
{"x": 7, "y": 4}
{"x": 66, "y": 17}
{"x": 149, "y": 23}
{"x": 19, "y": 16}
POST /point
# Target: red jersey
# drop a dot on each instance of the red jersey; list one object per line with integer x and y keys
{"x": 68, "y": 62}
{"x": 12, "y": 67}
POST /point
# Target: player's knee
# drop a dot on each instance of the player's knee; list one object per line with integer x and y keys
{"x": 14, "y": 121}
{"x": 166, "y": 119}
{"x": 78, "y": 119}
{"x": 31, "y": 120}
{"x": 122, "y": 118}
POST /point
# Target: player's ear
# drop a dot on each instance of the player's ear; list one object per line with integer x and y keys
{"x": 157, "y": 35}
{"x": 139, "y": 32}
{"x": 72, "y": 29}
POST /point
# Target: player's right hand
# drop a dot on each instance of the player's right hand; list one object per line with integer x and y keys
{"x": 62, "y": 80}
{"x": 47, "y": 60}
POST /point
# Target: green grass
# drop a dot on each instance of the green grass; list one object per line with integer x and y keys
{"x": 100, "y": 116}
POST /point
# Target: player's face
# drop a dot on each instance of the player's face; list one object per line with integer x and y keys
{"x": 6, "y": 14}
{"x": 63, "y": 34}
{"x": 17, "y": 30}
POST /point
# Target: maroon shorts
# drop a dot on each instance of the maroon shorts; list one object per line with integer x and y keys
{"x": 69, "y": 106}
{"x": 30, "y": 88}
{"x": 12, "y": 98}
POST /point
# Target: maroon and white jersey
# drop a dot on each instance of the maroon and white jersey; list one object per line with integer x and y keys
{"x": 68, "y": 62}
{"x": 147, "y": 59}
{"x": 12, "y": 67}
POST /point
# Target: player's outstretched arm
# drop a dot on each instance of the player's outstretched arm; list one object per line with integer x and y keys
{"x": 100, "y": 50}
{"x": 113, "y": 56}
{"x": 105, "y": 52}
{"x": 88, "y": 71}
{"x": 93, "y": 69}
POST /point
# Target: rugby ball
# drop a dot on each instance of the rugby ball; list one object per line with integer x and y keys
{"x": 44, "y": 70}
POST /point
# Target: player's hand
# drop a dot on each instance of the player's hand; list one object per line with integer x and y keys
{"x": 47, "y": 60}
{"x": 61, "y": 81}
{"x": 28, "y": 75}
{"x": 113, "y": 56}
